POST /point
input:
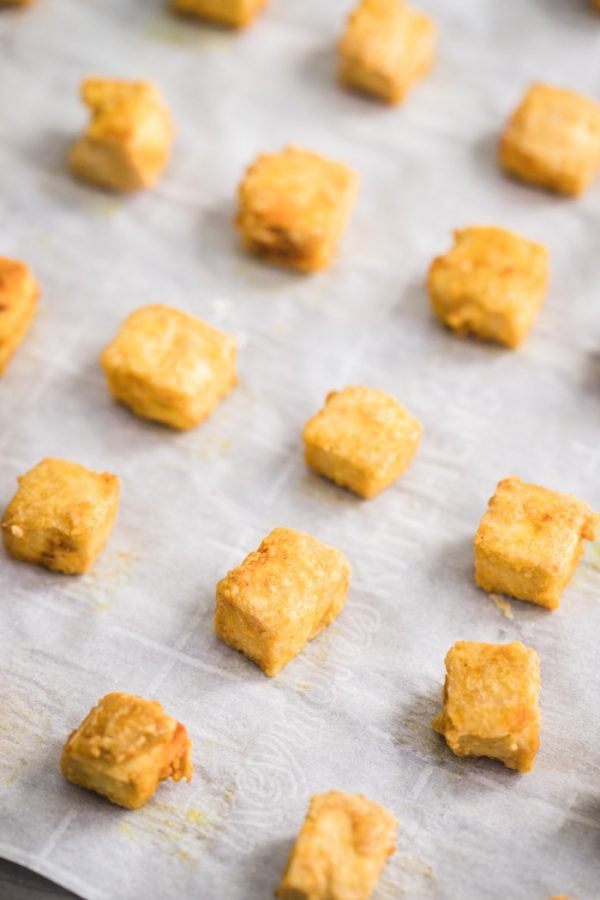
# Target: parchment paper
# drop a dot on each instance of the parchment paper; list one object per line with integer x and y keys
{"x": 353, "y": 711}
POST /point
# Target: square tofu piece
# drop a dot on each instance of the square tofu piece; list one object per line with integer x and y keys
{"x": 169, "y": 366}
{"x": 492, "y": 284}
{"x": 224, "y": 12}
{"x": 128, "y": 141}
{"x": 341, "y": 850}
{"x": 281, "y": 597}
{"x": 386, "y": 48}
{"x": 293, "y": 207}
{"x": 530, "y": 541}
{"x": 362, "y": 439}
{"x": 19, "y": 292}
{"x": 124, "y": 747}
{"x": 491, "y": 702}
{"x": 61, "y": 516}
{"x": 553, "y": 139}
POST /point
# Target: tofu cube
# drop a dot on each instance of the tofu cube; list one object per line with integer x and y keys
{"x": 15, "y": 2}
{"x": 124, "y": 747}
{"x": 491, "y": 702}
{"x": 341, "y": 849}
{"x": 492, "y": 284}
{"x": 224, "y": 12}
{"x": 530, "y": 541}
{"x": 61, "y": 516}
{"x": 293, "y": 208}
{"x": 19, "y": 293}
{"x": 169, "y": 366}
{"x": 128, "y": 141}
{"x": 386, "y": 48}
{"x": 553, "y": 140}
{"x": 281, "y": 597}
{"x": 362, "y": 439}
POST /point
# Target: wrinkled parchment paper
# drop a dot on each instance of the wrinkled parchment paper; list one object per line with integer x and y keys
{"x": 353, "y": 710}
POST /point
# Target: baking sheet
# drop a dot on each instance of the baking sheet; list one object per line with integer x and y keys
{"x": 353, "y": 710}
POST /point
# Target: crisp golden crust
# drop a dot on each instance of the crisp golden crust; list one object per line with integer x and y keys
{"x": 169, "y": 366}
{"x": 492, "y": 283}
{"x": 341, "y": 849}
{"x": 293, "y": 207}
{"x": 61, "y": 516}
{"x": 530, "y": 541}
{"x": 362, "y": 439}
{"x": 281, "y": 597}
{"x": 124, "y": 747}
{"x": 128, "y": 141}
{"x": 236, "y": 13}
{"x": 386, "y": 48}
{"x": 491, "y": 702}
{"x": 19, "y": 293}
{"x": 553, "y": 140}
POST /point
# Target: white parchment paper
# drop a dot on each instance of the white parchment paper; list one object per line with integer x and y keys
{"x": 353, "y": 711}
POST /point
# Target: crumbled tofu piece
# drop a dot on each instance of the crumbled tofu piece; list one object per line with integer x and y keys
{"x": 530, "y": 541}
{"x": 386, "y": 48}
{"x": 492, "y": 284}
{"x": 224, "y": 12}
{"x": 293, "y": 207}
{"x": 553, "y": 140}
{"x": 19, "y": 293}
{"x": 128, "y": 141}
{"x": 61, "y": 516}
{"x": 169, "y": 366}
{"x": 124, "y": 747}
{"x": 491, "y": 702}
{"x": 281, "y": 597}
{"x": 341, "y": 849}
{"x": 362, "y": 439}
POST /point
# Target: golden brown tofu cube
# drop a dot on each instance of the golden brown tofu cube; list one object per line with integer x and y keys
{"x": 492, "y": 284}
{"x": 530, "y": 541}
{"x": 224, "y": 12}
{"x": 281, "y": 597}
{"x": 553, "y": 140}
{"x": 19, "y": 292}
{"x": 15, "y": 2}
{"x": 169, "y": 366}
{"x": 293, "y": 207}
{"x": 491, "y": 702}
{"x": 386, "y": 48}
{"x": 341, "y": 849}
{"x": 124, "y": 747}
{"x": 61, "y": 516}
{"x": 128, "y": 141}
{"x": 362, "y": 439}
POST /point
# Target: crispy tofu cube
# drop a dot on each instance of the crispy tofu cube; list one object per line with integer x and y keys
{"x": 530, "y": 541}
{"x": 293, "y": 207}
{"x": 128, "y": 141}
{"x": 492, "y": 284}
{"x": 553, "y": 140}
{"x": 169, "y": 366}
{"x": 491, "y": 702}
{"x": 61, "y": 516}
{"x": 341, "y": 849}
{"x": 124, "y": 747}
{"x": 362, "y": 439}
{"x": 224, "y": 12}
{"x": 19, "y": 292}
{"x": 386, "y": 48}
{"x": 281, "y": 597}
